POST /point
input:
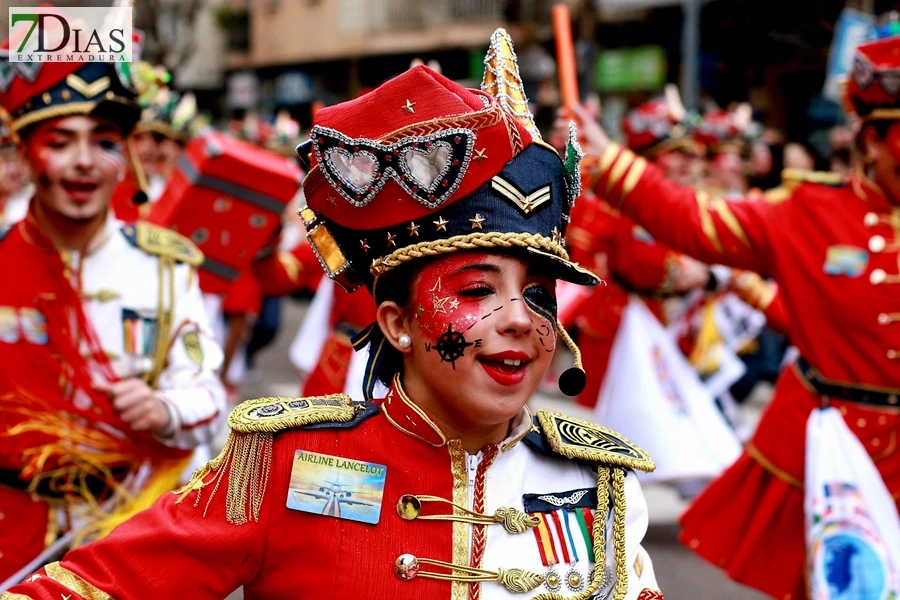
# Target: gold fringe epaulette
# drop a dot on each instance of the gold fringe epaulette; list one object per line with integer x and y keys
{"x": 792, "y": 178}
{"x": 247, "y": 455}
{"x": 583, "y": 440}
{"x": 163, "y": 242}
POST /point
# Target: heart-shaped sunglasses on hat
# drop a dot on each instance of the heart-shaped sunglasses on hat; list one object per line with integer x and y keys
{"x": 428, "y": 168}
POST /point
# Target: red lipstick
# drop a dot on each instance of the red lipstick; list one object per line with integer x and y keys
{"x": 506, "y": 368}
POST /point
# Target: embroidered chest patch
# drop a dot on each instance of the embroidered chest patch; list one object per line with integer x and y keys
{"x": 335, "y": 486}
{"x": 845, "y": 260}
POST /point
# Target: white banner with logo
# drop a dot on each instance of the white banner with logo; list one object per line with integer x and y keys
{"x": 852, "y": 527}
{"x": 653, "y": 396}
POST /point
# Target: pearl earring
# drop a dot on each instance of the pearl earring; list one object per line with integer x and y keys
{"x": 404, "y": 341}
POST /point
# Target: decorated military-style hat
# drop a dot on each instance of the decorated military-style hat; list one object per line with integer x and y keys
{"x": 660, "y": 125}
{"x": 873, "y": 88}
{"x": 721, "y": 130}
{"x": 422, "y": 167}
{"x": 37, "y": 91}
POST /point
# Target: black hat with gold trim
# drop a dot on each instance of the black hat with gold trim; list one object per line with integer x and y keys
{"x": 422, "y": 167}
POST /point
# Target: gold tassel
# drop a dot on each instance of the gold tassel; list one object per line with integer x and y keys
{"x": 247, "y": 457}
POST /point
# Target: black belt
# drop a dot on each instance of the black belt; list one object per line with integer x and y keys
{"x": 883, "y": 397}
{"x": 95, "y": 486}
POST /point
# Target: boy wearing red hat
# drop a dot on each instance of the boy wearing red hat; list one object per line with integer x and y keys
{"x": 448, "y": 206}
{"x": 833, "y": 252}
{"x": 635, "y": 262}
{"x": 109, "y": 373}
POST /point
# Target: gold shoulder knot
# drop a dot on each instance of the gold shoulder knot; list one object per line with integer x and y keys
{"x": 792, "y": 178}
{"x": 272, "y": 415}
{"x": 583, "y": 440}
{"x": 165, "y": 242}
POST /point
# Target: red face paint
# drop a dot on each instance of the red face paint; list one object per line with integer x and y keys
{"x": 446, "y": 293}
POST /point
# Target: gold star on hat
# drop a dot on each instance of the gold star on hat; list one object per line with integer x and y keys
{"x": 364, "y": 245}
{"x": 413, "y": 229}
{"x": 409, "y": 106}
{"x": 480, "y": 155}
{"x": 440, "y": 224}
{"x": 390, "y": 239}
{"x": 476, "y": 222}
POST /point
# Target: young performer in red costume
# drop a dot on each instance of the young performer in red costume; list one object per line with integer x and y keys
{"x": 449, "y": 487}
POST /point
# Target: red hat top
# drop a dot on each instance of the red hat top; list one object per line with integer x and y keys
{"x": 655, "y": 127}
{"x": 457, "y": 139}
{"x": 721, "y": 130}
{"x": 873, "y": 88}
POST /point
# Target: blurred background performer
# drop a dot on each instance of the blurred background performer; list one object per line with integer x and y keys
{"x": 833, "y": 252}
{"x": 109, "y": 370}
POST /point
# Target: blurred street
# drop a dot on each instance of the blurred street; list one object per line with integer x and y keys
{"x": 681, "y": 575}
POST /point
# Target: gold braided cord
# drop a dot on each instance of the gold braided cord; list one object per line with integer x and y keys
{"x": 165, "y": 319}
{"x": 481, "y": 119}
{"x": 599, "y": 539}
{"x": 513, "y": 520}
{"x": 11, "y": 596}
{"x": 51, "y": 112}
{"x": 619, "y": 509}
{"x": 469, "y": 241}
{"x": 518, "y": 581}
{"x": 73, "y": 582}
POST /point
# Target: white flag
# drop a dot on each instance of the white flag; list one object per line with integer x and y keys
{"x": 653, "y": 396}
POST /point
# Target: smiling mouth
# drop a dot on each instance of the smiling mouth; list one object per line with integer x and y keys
{"x": 80, "y": 190}
{"x": 505, "y": 365}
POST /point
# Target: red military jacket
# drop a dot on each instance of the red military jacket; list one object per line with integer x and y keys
{"x": 321, "y": 498}
{"x": 833, "y": 250}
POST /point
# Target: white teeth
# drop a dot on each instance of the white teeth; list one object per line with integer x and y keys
{"x": 511, "y": 362}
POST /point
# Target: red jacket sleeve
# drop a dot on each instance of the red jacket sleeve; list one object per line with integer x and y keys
{"x": 712, "y": 230}
{"x": 764, "y": 296}
{"x": 172, "y": 550}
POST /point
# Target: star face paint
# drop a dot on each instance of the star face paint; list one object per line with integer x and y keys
{"x": 76, "y": 162}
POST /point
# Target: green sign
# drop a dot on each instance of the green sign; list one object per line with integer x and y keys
{"x": 629, "y": 69}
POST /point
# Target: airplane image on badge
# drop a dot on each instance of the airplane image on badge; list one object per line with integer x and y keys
{"x": 334, "y": 486}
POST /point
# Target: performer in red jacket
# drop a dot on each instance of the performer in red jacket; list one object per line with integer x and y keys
{"x": 448, "y": 487}
{"x": 833, "y": 250}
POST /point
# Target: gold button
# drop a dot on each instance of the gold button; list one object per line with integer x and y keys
{"x": 860, "y": 423}
{"x": 877, "y": 276}
{"x": 408, "y": 507}
{"x": 892, "y": 399}
{"x": 843, "y": 410}
{"x": 877, "y": 244}
{"x": 883, "y": 319}
{"x": 892, "y": 354}
{"x": 553, "y": 580}
{"x": 574, "y": 580}
{"x": 882, "y": 420}
{"x": 406, "y": 567}
{"x": 870, "y": 220}
{"x": 694, "y": 543}
{"x": 876, "y": 443}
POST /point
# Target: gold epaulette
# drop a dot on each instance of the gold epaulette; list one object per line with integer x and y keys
{"x": 794, "y": 177}
{"x": 247, "y": 455}
{"x": 272, "y": 415}
{"x": 583, "y": 440}
{"x": 163, "y": 242}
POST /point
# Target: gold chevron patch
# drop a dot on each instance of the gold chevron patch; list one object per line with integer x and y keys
{"x": 88, "y": 90}
{"x": 526, "y": 202}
